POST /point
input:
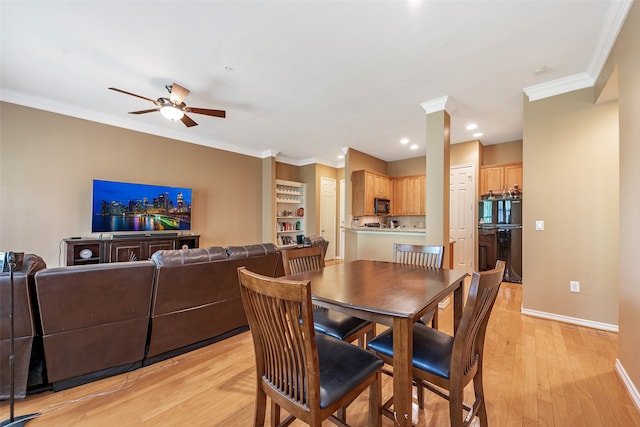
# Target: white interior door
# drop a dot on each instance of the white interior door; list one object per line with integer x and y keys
{"x": 462, "y": 216}
{"x": 328, "y": 214}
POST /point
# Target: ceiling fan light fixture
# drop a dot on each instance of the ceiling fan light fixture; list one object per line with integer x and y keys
{"x": 172, "y": 113}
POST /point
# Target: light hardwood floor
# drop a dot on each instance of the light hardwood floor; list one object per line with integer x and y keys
{"x": 537, "y": 373}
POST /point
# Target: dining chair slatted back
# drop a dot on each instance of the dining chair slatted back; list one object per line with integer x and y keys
{"x": 424, "y": 256}
{"x": 300, "y": 260}
{"x": 337, "y": 325}
{"x": 309, "y": 376}
{"x": 441, "y": 362}
{"x": 468, "y": 346}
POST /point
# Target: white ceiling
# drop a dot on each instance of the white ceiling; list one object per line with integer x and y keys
{"x": 304, "y": 79}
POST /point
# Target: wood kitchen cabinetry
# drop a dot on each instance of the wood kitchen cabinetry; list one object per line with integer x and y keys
{"x": 409, "y": 195}
{"x": 134, "y": 248}
{"x": 365, "y": 187}
{"x": 500, "y": 177}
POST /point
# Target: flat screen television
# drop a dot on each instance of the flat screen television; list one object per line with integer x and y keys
{"x": 125, "y": 206}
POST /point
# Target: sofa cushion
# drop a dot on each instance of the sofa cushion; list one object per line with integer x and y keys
{"x": 236, "y": 252}
{"x": 188, "y": 256}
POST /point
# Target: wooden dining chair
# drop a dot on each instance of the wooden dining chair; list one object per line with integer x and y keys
{"x": 330, "y": 322}
{"x": 445, "y": 364}
{"x": 310, "y": 376}
{"x": 424, "y": 256}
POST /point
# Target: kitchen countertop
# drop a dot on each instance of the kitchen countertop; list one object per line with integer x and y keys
{"x": 385, "y": 230}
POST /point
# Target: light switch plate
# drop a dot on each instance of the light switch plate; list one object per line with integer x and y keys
{"x": 539, "y": 225}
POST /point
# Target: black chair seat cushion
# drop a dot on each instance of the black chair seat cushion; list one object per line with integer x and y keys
{"x": 426, "y": 319}
{"x": 335, "y": 324}
{"x": 431, "y": 349}
{"x": 342, "y": 367}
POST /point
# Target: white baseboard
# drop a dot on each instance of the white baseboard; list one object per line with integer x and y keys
{"x": 444, "y": 303}
{"x": 573, "y": 320}
{"x": 631, "y": 388}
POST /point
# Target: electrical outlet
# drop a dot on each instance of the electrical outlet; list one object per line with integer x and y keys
{"x": 574, "y": 286}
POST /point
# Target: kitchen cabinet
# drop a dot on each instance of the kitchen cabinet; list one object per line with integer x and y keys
{"x": 409, "y": 195}
{"x": 513, "y": 176}
{"x": 290, "y": 210}
{"x": 500, "y": 177}
{"x": 365, "y": 187}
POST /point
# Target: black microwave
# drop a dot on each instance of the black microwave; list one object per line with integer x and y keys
{"x": 381, "y": 206}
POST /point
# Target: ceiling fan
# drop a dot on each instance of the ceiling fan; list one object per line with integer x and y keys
{"x": 174, "y": 108}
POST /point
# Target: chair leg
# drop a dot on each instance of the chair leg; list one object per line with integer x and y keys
{"x": 375, "y": 402}
{"x": 371, "y": 333}
{"x": 434, "y": 319}
{"x": 364, "y": 339}
{"x": 420, "y": 393}
{"x": 275, "y": 413}
{"x": 481, "y": 411}
{"x": 261, "y": 408}
{"x": 456, "y": 414}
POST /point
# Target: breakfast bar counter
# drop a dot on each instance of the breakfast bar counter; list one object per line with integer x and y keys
{"x": 377, "y": 243}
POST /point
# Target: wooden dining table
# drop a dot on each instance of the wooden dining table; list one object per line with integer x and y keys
{"x": 392, "y": 294}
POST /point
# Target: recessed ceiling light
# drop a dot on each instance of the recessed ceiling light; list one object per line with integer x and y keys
{"x": 414, "y": 146}
{"x": 341, "y": 156}
{"x": 404, "y": 141}
{"x": 477, "y": 134}
{"x": 472, "y": 126}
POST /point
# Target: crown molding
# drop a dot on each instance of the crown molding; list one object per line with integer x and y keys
{"x": 559, "y": 86}
{"x": 308, "y": 161}
{"x": 64, "y": 109}
{"x": 443, "y": 103}
{"x": 613, "y": 22}
{"x": 268, "y": 153}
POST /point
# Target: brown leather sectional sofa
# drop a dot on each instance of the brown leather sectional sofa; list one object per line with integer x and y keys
{"x": 197, "y": 296}
{"x": 103, "y": 319}
{"x": 94, "y": 319}
{"x": 24, "y": 325}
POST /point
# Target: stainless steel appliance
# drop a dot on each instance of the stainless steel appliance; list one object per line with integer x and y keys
{"x": 381, "y": 206}
{"x": 500, "y": 236}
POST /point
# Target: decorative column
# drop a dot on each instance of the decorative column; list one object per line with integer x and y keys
{"x": 437, "y": 198}
{"x": 269, "y": 198}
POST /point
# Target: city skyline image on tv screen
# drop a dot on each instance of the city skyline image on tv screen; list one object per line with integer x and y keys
{"x": 125, "y": 206}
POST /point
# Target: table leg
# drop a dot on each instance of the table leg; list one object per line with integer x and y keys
{"x": 402, "y": 377}
{"x": 458, "y": 302}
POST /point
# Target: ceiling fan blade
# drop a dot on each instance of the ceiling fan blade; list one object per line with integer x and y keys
{"x": 133, "y": 94}
{"x": 215, "y": 113}
{"x": 144, "y": 111}
{"x": 178, "y": 93}
{"x": 187, "y": 121}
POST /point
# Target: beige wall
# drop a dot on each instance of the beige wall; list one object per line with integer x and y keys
{"x": 48, "y": 162}
{"x": 507, "y": 152}
{"x": 626, "y": 57}
{"x": 287, "y": 172}
{"x": 571, "y": 180}
{"x": 358, "y": 160}
{"x": 466, "y": 153}
{"x": 408, "y": 167}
